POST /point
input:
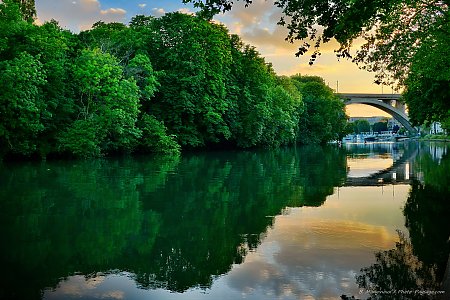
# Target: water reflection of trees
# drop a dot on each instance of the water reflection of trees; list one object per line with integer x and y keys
{"x": 399, "y": 274}
{"x": 417, "y": 263}
{"x": 172, "y": 223}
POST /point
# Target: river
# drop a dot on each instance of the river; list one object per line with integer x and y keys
{"x": 292, "y": 223}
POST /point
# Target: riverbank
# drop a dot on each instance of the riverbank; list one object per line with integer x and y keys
{"x": 435, "y": 138}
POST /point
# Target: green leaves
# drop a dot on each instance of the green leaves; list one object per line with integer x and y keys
{"x": 140, "y": 68}
{"x": 324, "y": 117}
{"x": 427, "y": 85}
{"x": 82, "y": 138}
{"x": 150, "y": 87}
{"x": 194, "y": 56}
{"x": 21, "y": 103}
{"x": 108, "y": 107}
{"x": 28, "y": 9}
{"x": 397, "y": 35}
{"x": 155, "y": 138}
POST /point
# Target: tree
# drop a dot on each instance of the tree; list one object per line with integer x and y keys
{"x": 395, "y": 128}
{"x": 379, "y": 127}
{"x": 427, "y": 90}
{"x": 28, "y": 9}
{"x": 108, "y": 107}
{"x": 398, "y": 36}
{"x": 385, "y": 25}
{"x": 155, "y": 138}
{"x": 55, "y": 48}
{"x": 288, "y": 107}
{"x": 126, "y": 44}
{"x": 251, "y": 81}
{"x": 194, "y": 57}
{"x": 21, "y": 102}
{"x": 13, "y": 30}
{"x": 323, "y": 118}
{"x": 360, "y": 126}
{"x": 114, "y": 38}
{"x": 51, "y": 47}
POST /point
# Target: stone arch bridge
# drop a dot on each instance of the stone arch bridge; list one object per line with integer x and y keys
{"x": 389, "y": 103}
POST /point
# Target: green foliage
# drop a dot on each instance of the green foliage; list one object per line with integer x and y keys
{"x": 436, "y": 137}
{"x": 264, "y": 109}
{"x": 106, "y": 99}
{"x": 282, "y": 125}
{"x": 155, "y": 85}
{"x": 379, "y": 126}
{"x": 82, "y": 138}
{"x": 28, "y": 9}
{"x": 114, "y": 38}
{"x": 54, "y": 47}
{"x": 359, "y": 126}
{"x": 427, "y": 90}
{"x": 13, "y": 30}
{"x": 248, "y": 91}
{"x": 51, "y": 48}
{"x": 195, "y": 57}
{"x": 140, "y": 68}
{"x": 324, "y": 117}
{"x": 155, "y": 137}
{"x": 22, "y": 103}
{"x": 406, "y": 42}
{"x": 23, "y": 10}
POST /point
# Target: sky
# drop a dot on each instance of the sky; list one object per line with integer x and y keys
{"x": 256, "y": 25}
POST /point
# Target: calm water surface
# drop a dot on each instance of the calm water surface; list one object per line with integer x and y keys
{"x": 295, "y": 223}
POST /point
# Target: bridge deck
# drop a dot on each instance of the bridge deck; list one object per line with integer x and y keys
{"x": 370, "y": 96}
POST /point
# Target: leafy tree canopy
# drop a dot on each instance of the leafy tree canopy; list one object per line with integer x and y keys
{"x": 359, "y": 126}
{"x": 393, "y": 30}
{"x": 380, "y": 126}
{"x": 405, "y": 42}
{"x": 323, "y": 118}
{"x": 152, "y": 86}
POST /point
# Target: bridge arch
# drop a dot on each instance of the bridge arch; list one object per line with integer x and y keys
{"x": 398, "y": 166}
{"x": 379, "y": 101}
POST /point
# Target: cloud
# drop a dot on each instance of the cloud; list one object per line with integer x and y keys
{"x": 98, "y": 287}
{"x": 260, "y": 11}
{"x": 256, "y": 25}
{"x": 186, "y": 11}
{"x": 158, "y": 12}
{"x": 305, "y": 262}
{"x": 113, "y": 11}
{"x": 77, "y": 15}
{"x": 312, "y": 254}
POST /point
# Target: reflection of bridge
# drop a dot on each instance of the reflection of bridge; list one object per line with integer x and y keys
{"x": 400, "y": 172}
{"x": 386, "y": 102}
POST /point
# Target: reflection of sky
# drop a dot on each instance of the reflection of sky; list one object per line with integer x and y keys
{"x": 358, "y": 167}
{"x": 316, "y": 253}
{"x": 310, "y": 253}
